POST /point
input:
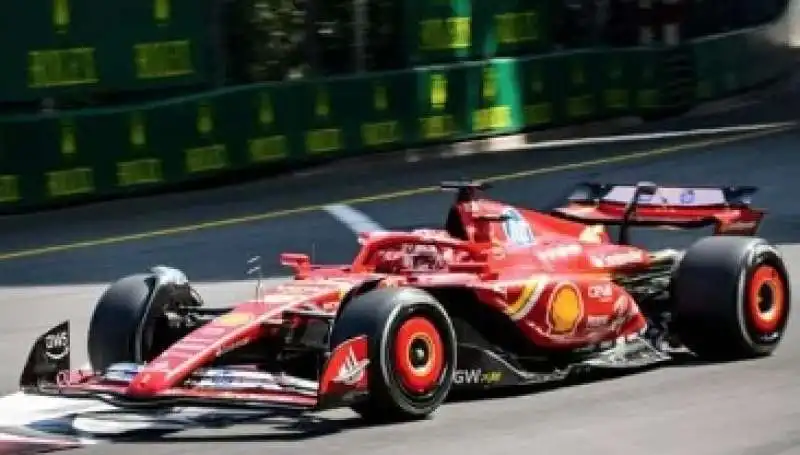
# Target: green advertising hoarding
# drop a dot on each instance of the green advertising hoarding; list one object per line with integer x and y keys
{"x": 59, "y": 47}
{"x": 504, "y": 28}
{"x": 446, "y": 31}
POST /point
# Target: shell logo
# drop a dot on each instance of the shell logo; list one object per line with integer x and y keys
{"x": 565, "y": 309}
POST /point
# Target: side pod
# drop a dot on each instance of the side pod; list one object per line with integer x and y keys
{"x": 49, "y": 357}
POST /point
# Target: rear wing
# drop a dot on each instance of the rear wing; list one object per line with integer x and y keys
{"x": 728, "y": 209}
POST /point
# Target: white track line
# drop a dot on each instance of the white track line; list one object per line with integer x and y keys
{"x": 658, "y": 135}
{"x": 355, "y": 220}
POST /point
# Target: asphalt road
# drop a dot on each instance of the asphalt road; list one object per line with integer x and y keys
{"x": 742, "y": 408}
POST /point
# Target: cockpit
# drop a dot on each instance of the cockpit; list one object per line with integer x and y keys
{"x": 419, "y": 251}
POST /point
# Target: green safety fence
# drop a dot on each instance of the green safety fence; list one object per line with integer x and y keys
{"x": 60, "y": 48}
{"x": 99, "y": 153}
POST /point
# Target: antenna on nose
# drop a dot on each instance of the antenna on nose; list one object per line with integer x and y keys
{"x": 254, "y": 264}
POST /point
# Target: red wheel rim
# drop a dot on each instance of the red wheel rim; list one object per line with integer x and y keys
{"x": 766, "y": 299}
{"x": 418, "y": 355}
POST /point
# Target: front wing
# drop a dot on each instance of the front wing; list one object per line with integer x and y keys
{"x": 343, "y": 380}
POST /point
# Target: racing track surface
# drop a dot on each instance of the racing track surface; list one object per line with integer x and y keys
{"x": 741, "y": 408}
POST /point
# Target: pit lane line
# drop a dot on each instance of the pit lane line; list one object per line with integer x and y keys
{"x": 760, "y": 131}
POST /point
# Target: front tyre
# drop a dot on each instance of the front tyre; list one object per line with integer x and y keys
{"x": 412, "y": 351}
{"x": 732, "y": 298}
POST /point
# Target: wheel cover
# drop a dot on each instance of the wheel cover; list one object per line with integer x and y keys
{"x": 766, "y": 299}
{"x": 419, "y": 356}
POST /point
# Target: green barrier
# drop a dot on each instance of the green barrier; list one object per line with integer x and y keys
{"x": 494, "y": 97}
{"x": 118, "y": 151}
{"x": 59, "y": 48}
{"x": 735, "y": 61}
{"x": 540, "y": 93}
{"x": 440, "y": 112}
{"x": 382, "y": 110}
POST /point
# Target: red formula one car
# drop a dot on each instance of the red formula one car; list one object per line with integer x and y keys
{"x": 501, "y": 296}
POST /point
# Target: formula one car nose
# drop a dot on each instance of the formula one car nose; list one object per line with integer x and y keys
{"x": 499, "y": 296}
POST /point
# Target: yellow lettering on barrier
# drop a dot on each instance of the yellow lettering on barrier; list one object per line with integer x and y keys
{"x": 61, "y": 67}
{"x": 137, "y": 131}
{"x": 380, "y": 133}
{"x": 538, "y": 114}
{"x": 163, "y": 59}
{"x": 68, "y": 142}
{"x": 61, "y": 15}
{"x": 210, "y": 158}
{"x": 205, "y": 119}
{"x": 265, "y": 149}
{"x": 322, "y": 105}
{"x": 266, "y": 115}
{"x": 70, "y": 182}
{"x": 580, "y": 106}
{"x": 616, "y": 98}
{"x": 139, "y": 172}
{"x": 324, "y": 140}
{"x": 437, "y": 126}
{"x": 438, "y": 87}
{"x": 492, "y": 118}
{"x": 9, "y": 188}
{"x": 443, "y": 34}
{"x": 515, "y": 28}
{"x": 647, "y": 98}
{"x": 161, "y": 10}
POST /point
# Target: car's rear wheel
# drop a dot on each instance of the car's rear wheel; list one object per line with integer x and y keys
{"x": 732, "y": 298}
{"x": 412, "y": 351}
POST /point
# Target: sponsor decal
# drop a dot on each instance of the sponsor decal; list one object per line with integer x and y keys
{"x": 476, "y": 376}
{"x": 565, "y": 309}
{"x": 616, "y": 259}
{"x": 560, "y": 252}
{"x": 541, "y": 378}
{"x": 56, "y": 345}
{"x": 602, "y": 291}
{"x": 232, "y": 347}
{"x": 516, "y": 228}
{"x": 352, "y": 370}
{"x": 529, "y": 294}
{"x": 687, "y": 196}
{"x": 594, "y": 322}
{"x": 234, "y": 319}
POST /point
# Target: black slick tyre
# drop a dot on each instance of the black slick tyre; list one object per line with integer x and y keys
{"x": 123, "y": 323}
{"x": 731, "y": 298}
{"x": 412, "y": 352}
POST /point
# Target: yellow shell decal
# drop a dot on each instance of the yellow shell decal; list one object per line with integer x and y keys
{"x": 565, "y": 309}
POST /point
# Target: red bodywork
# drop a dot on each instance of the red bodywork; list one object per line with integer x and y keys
{"x": 551, "y": 276}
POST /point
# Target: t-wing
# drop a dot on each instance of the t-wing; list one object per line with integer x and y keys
{"x": 646, "y": 204}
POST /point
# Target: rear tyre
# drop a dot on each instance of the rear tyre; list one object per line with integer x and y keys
{"x": 412, "y": 352}
{"x": 732, "y": 298}
{"x": 125, "y": 326}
